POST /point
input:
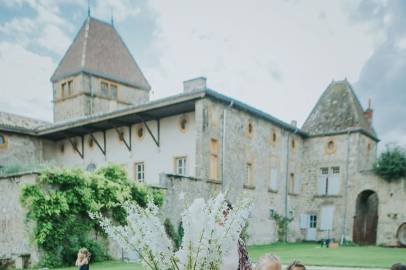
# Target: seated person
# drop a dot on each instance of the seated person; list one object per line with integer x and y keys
{"x": 296, "y": 265}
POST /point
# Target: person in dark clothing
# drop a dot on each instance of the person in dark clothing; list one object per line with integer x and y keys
{"x": 83, "y": 259}
{"x": 398, "y": 266}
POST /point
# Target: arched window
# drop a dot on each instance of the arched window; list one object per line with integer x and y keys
{"x": 183, "y": 123}
{"x": 3, "y": 141}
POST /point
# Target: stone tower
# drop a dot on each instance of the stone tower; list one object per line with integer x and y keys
{"x": 97, "y": 74}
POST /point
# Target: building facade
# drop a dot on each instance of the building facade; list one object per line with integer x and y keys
{"x": 200, "y": 142}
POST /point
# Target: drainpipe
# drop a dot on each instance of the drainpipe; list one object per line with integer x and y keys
{"x": 223, "y": 143}
{"x": 347, "y": 164}
{"x": 287, "y": 182}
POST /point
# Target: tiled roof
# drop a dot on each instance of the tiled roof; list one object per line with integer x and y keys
{"x": 20, "y": 123}
{"x": 99, "y": 50}
{"x": 337, "y": 110}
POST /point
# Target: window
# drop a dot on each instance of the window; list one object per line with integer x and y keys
{"x": 273, "y": 137}
{"x": 250, "y": 128}
{"x": 109, "y": 90}
{"x": 3, "y": 141}
{"x": 180, "y": 165}
{"x": 293, "y": 144}
{"x": 214, "y": 159}
{"x": 295, "y": 184}
{"x": 274, "y": 179}
{"x": 139, "y": 171}
{"x": 183, "y": 123}
{"x": 140, "y": 132}
{"x": 63, "y": 90}
{"x": 70, "y": 87}
{"x": 330, "y": 147}
{"x": 113, "y": 88}
{"x": 291, "y": 183}
{"x": 249, "y": 177}
{"x": 329, "y": 181}
{"x": 313, "y": 221}
{"x": 104, "y": 89}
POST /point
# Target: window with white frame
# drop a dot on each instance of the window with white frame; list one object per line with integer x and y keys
{"x": 180, "y": 165}
{"x": 140, "y": 171}
{"x": 329, "y": 181}
{"x": 313, "y": 221}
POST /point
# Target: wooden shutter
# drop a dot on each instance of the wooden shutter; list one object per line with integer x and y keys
{"x": 274, "y": 179}
{"x": 326, "y": 219}
{"x": 321, "y": 185}
{"x": 297, "y": 184}
{"x": 304, "y": 221}
{"x": 333, "y": 185}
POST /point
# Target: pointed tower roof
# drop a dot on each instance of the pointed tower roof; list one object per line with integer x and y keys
{"x": 99, "y": 50}
{"x": 338, "y": 110}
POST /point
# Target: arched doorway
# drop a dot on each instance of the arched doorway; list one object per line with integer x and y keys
{"x": 366, "y": 218}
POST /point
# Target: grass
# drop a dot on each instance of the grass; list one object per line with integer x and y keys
{"x": 352, "y": 256}
{"x": 309, "y": 253}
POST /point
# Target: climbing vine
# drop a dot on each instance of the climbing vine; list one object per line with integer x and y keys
{"x": 61, "y": 200}
{"x": 391, "y": 164}
{"x": 282, "y": 223}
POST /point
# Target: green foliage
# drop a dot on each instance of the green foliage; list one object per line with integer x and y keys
{"x": 176, "y": 236}
{"x": 60, "y": 202}
{"x": 244, "y": 233}
{"x": 282, "y": 223}
{"x": 391, "y": 164}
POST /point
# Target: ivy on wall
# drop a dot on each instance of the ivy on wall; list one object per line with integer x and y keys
{"x": 391, "y": 164}
{"x": 61, "y": 200}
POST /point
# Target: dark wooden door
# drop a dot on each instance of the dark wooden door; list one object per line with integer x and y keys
{"x": 365, "y": 229}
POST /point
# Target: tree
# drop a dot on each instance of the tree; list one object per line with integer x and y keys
{"x": 391, "y": 164}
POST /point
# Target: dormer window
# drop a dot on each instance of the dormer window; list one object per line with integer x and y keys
{"x": 70, "y": 87}
{"x": 108, "y": 89}
{"x": 113, "y": 88}
{"x": 104, "y": 89}
{"x": 63, "y": 90}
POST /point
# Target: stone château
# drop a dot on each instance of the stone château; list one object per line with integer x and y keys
{"x": 200, "y": 142}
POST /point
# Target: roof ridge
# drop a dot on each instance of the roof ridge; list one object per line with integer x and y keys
{"x": 83, "y": 60}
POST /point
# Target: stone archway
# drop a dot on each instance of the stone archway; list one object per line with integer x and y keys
{"x": 366, "y": 218}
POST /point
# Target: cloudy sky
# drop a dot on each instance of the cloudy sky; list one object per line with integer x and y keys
{"x": 277, "y": 55}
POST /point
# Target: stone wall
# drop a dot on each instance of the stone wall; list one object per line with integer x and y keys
{"x": 20, "y": 149}
{"x": 15, "y": 232}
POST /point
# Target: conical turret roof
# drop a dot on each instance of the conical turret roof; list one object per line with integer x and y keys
{"x": 99, "y": 50}
{"x": 337, "y": 110}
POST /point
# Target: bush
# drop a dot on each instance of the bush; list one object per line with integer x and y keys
{"x": 176, "y": 236}
{"x": 391, "y": 164}
{"x": 60, "y": 204}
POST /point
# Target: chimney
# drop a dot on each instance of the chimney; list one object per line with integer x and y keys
{"x": 369, "y": 112}
{"x": 293, "y": 123}
{"x": 195, "y": 84}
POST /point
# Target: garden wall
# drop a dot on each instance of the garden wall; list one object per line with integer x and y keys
{"x": 15, "y": 232}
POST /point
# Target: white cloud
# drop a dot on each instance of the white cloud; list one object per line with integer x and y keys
{"x": 54, "y": 39}
{"x": 240, "y": 46}
{"x": 25, "y": 87}
{"x": 119, "y": 9}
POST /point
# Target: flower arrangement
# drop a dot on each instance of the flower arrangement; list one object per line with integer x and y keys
{"x": 211, "y": 230}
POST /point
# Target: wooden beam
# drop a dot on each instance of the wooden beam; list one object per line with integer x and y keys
{"x": 102, "y": 149}
{"x": 75, "y": 146}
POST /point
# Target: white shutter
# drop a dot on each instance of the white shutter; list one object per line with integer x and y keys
{"x": 334, "y": 185}
{"x": 274, "y": 179}
{"x": 298, "y": 185}
{"x": 304, "y": 221}
{"x": 327, "y": 215}
{"x": 321, "y": 185}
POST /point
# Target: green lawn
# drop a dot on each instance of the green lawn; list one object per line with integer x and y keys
{"x": 313, "y": 254}
{"x": 310, "y": 254}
